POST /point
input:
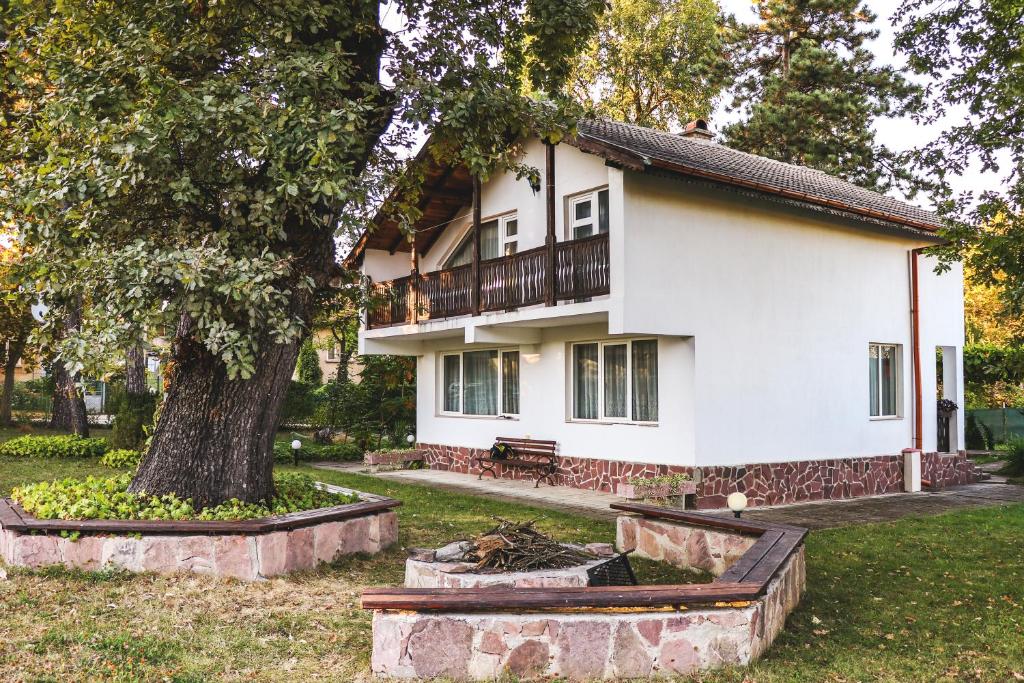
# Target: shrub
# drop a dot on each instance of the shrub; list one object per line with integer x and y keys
{"x": 340, "y": 452}
{"x": 133, "y": 419}
{"x": 1014, "y": 458}
{"x": 300, "y": 403}
{"x": 108, "y": 498}
{"x": 121, "y": 458}
{"x": 61, "y": 447}
{"x": 308, "y": 368}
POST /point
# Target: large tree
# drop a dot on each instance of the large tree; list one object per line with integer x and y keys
{"x": 187, "y": 163}
{"x": 655, "y": 63}
{"x": 972, "y": 54}
{"x": 809, "y": 90}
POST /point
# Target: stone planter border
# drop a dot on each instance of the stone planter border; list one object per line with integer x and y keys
{"x": 247, "y": 549}
{"x": 604, "y": 632}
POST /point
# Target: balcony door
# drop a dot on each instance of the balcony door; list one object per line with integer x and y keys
{"x": 498, "y": 237}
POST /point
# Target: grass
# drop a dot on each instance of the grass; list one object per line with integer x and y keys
{"x": 929, "y": 599}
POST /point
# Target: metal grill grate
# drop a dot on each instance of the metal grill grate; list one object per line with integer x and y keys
{"x": 615, "y": 572}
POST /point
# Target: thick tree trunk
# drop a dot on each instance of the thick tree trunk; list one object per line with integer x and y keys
{"x": 14, "y": 350}
{"x": 214, "y": 440}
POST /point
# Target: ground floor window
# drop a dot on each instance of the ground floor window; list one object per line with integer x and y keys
{"x": 615, "y": 380}
{"x": 480, "y": 382}
{"x": 884, "y": 380}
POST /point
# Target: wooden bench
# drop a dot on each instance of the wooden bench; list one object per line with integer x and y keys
{"x": 532, "y": 454}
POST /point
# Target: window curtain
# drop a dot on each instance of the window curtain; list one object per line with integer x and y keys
{"x": 615, "y": 359}
{"x": 480, "y": 379}
{"x": 488, "y": 241}
{"x": 873, "y": 379}
{"x": 452, "y": 380}
{"x": 888, "y": 362}
{"x": 510, "y": 382}
{"x": 585, "y": 378}
{"x": 602, "y": 211}
{"x": 645, "y": 380}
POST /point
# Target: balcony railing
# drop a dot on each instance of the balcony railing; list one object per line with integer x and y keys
{"x": 506, "y": 283}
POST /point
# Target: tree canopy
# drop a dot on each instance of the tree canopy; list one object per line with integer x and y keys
{"x": 655, "y": 63}
{"x": 809, "y": 90}
{"x": 972, "y": 53}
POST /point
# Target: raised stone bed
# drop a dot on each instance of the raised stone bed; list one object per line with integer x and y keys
{"x": 392, "y": 458}
{"x": 584, "y": 633}
{"x": 247, "y": 550}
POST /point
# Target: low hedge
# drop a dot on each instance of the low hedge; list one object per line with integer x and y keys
{"x": 108, "y": 498}
{"x": 121, "y": 458}
{"x": 338, "y": 452}
{"x": 62, "y": 447}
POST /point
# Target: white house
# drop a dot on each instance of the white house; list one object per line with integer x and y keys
{"x": 664, "y": 303}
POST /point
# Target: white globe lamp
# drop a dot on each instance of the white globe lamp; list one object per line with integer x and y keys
{"x": 737, "y": 502}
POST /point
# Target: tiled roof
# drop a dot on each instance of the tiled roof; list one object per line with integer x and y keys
{"x": 723, "y": 164}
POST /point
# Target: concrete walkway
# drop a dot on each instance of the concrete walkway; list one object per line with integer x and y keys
{"x": 817, "y": 515}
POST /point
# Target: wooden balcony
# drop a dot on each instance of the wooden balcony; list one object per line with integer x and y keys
{"x": 505, "y": 284}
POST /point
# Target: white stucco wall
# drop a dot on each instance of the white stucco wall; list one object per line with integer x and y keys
{"x": 545, "y": 403}
{"x": 782, "y": 306}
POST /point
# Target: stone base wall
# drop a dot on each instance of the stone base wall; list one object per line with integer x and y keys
{"x": 764, "y": 484}
{"x": 680, "y": 545}
{"x": 944, "y": 469}
{"x": 584, "y": 645}
{"x": 246, "y": 557}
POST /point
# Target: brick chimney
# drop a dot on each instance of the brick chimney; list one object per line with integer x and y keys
{"x": 698, "y": 131}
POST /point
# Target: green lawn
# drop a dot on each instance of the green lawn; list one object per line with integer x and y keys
{"x": 931, "y": 599}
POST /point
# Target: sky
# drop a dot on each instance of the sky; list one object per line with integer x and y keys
{"x": 896, "y": 133}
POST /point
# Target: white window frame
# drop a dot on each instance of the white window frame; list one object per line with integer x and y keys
{"x": 442, "y": 389}
{"x": 601, "y": 418}
{"x": 333, "y": 352}
{"x": 897, "y": 377}
{"x": 571, "y": 222}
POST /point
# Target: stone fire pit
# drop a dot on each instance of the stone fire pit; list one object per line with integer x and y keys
{"x": 429, "y": 573}
{"x": 584, "y": 633}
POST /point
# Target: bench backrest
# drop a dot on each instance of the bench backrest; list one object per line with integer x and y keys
{"x": 537, "y": 447}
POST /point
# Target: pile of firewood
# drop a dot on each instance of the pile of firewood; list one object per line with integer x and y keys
{"x": 518, "y": 547}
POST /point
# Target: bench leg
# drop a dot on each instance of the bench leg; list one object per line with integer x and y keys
{"x": 486, "y": 467}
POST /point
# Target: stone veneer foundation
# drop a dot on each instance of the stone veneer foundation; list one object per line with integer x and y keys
{"x": 585, "y": 644}
{"x": 246, "y": 556}
{"x": 764, "y": 484}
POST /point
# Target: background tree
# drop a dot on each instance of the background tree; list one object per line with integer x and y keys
{"x": 68, "y": 413}
{"x": 971, "y": 52}
{"x": 134, "y": 416}
{"x": 191, "y": 172}
{"x": 16, "y": 324}
{"x": 810, "y": 90}
{"x": 308, "y": 369}
{"x": 655, "y": 63}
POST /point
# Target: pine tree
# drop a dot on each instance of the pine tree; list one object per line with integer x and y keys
{"x": 810, "y": 90}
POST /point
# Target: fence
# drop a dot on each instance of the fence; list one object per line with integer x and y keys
{"x": 985, "y": 427}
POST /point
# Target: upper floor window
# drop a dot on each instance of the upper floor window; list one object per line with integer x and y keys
{"x": 588, "y": 214}
{"x": 884, "y": 380}
{"x": 498, "y": 237}
{"x": 333, "y": 353}
{"x": 480, "y": 382}
{"x": 615, "y": 380}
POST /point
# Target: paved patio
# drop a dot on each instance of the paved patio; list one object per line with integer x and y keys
{"x": 817, "y": 515}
